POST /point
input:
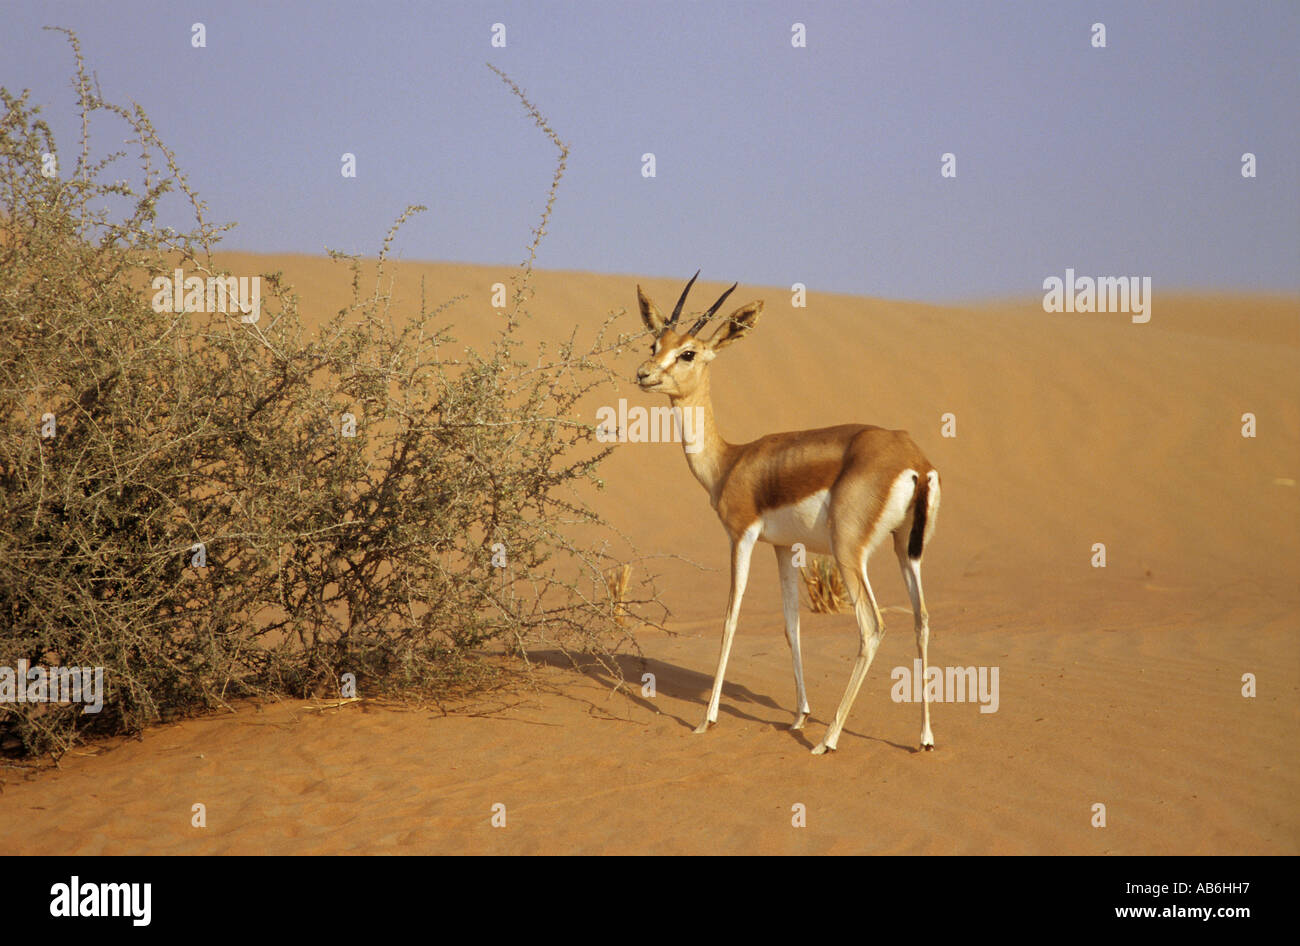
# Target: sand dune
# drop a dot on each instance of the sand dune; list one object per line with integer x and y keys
{"x": 1118, "y": 685}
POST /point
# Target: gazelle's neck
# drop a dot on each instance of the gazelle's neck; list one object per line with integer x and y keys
{"x": 706, "y": 451}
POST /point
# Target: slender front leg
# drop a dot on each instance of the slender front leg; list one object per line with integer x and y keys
{"x": 741, "y": 548}
{"x": 790, "y": 599}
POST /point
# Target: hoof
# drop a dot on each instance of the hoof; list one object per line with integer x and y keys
{"x": 929, "y": 747}
{"x": 798, "y": 723}
{"x": 702, "y": 727}
{"x": 822, "y": 749}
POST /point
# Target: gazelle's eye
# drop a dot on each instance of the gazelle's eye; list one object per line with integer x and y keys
{"x": 687, "y": 356}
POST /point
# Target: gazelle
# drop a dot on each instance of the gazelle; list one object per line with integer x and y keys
{"x": 836, "y": 490}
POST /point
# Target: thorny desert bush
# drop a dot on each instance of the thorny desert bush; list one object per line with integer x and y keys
{"x": 325, "y": 553}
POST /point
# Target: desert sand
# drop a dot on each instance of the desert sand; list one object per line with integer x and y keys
{"x": 1119, "y": 686}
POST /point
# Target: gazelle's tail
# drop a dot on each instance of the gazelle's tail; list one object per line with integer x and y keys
{"x": 921, "y": 505}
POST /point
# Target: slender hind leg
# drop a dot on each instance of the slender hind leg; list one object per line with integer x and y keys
{"x": 741, "y": 548}
{"x": 790, "y": 598}
{"x": 911, "y": 568}
{"x": 870, "y": 631}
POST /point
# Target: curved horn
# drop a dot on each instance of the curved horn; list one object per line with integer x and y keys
{"x": 680, "y": 302}
{"x": 712, "y": 309}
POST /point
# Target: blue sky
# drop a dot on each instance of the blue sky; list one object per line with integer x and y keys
{"x": 774, "y": 164}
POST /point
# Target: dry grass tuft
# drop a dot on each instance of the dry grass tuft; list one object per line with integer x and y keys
{"x": 825, "y": 586}
{"x": 617, "y": 580}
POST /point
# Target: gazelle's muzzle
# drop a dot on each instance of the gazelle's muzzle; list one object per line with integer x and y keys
{"x": 648, "y": 374}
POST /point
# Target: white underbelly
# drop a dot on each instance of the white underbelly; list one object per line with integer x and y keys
{"x": 806, "y": 522}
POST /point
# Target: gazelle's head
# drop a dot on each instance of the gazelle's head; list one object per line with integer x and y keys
{"x": 679, "y": 358}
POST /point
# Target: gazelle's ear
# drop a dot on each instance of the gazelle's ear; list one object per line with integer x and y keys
{"x": 737, "y": 324}
{"x": 650, "y": 313}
